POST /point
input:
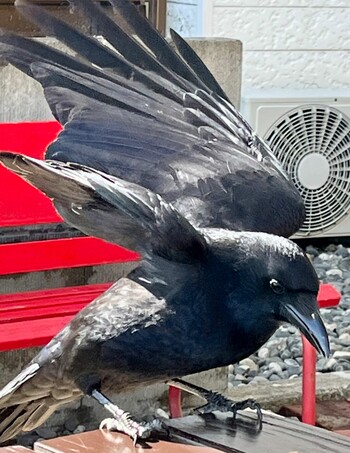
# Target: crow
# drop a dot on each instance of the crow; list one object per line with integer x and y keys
{"x": 154, "y": 156}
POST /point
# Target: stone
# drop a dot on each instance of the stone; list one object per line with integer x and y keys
{"x": 260, "y": 380}
{"x": 253, "y": 373}
{"x": 276, "y": 359}
{"x": 71, "y": 423}
{"x": 331, "y": 326}
{"x": 338, "y": 273}
{"x": 79, "y": 429}
{"x": 291, "y": 362}
{"x": 294, "y": 370}
{"x": 296, "y": 351}
{"x": 286, "y": 354}
{"x": 46, "y": 432}
{"x": 326, "y": 365}
{"x": 345, "y": 264}
{"x": 232, "y": 384}
{"x": 311, "y": 250}
{"x": 324, "y": 257}
{"x": 263, "y": 353}
{"x": 344, "y": 337}
{"x": 292, "y": 330}
{"x": 274, "y": 377}
{"x": 249, "y": 363}
{"x": 342, "y": 251}
{"x": 275, "y": 367}
{"x": 242, "y": 370}
{"x": 27, "y": 440}
{"x": 284, "y": 374}
{"x": 282, "y": 332}
{"x": 240, "y": 377}
{"x": 266, "y": 374}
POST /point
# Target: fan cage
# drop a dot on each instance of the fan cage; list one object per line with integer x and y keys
{"x": 323, "y": 130}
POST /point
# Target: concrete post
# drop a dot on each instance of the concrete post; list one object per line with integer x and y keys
{"x": 224, "y": 59}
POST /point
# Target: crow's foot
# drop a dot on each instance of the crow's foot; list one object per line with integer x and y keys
{"x": 127, "y": 426}
{"x": 216, "y": 401}
{"x": 122, "y": 421}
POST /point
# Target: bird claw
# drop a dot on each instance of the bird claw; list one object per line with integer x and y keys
{"x": 133, "y": 429}
{"x": 218, "y": 402}
{"x": 247, "y": 404}
{"x": 137, "y": 431}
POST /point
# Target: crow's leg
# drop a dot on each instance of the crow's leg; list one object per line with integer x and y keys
{"x": 216, "y": 401}
{"x": 123, "y": 422}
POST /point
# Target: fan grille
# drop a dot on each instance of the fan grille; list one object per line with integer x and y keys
{"x": 316, "y": 138}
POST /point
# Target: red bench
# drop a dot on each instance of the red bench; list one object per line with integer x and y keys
{"x": 32, "y": 318}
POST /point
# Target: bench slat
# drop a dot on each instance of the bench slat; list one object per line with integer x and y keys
{"x": 48, "y": 303}
{"x": 31, "y": 325}
{"x": 37, "y": 332}
{"x": 48, "y": 296}
{"x": 60, "y": 254}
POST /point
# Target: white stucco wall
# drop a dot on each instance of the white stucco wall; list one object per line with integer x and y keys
{"x": 185, "y": 17}
{"x": 293, "y": 44}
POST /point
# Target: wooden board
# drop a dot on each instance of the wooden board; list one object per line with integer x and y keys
{"x": 278, "y": 434}
{"x": 15, "y": 449}
{"x": 103, "y": 442}
{"x": 210, "y": 434}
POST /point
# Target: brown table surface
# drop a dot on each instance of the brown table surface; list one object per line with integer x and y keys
{"x": 207, "y": 434}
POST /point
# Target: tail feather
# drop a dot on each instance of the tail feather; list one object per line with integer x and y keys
{"x": 8, "y": 415}
{"x": 23, "y": 418}
{"x": 20, "y": 379}
{"x": 30, "y": 398}
{"x": 38, "y": 416}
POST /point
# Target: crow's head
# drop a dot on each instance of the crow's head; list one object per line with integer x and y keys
{"x": 269, "y": 277}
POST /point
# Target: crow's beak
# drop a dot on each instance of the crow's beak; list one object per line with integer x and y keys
{"x": 310, "y": 324}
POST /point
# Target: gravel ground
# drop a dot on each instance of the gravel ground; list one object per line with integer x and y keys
{"x": 281, "y": 357}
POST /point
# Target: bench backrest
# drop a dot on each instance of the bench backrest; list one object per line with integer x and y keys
{"x": 23, "y": 205}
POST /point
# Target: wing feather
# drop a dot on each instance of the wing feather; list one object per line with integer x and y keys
{"x": 138, "y": 111}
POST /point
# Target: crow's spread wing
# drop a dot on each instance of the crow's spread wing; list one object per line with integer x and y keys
{"x": 135, "y": 109}
{"x": 116, "y": 210}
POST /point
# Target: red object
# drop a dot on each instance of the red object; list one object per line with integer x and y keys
{"x": 33, "y": 318}
{"x": 21, "y": 203}
{"x": 175, "y": 402}
{"x": 309, "y": 383}
{"x": 327, "y": 296}
{"x": 60, "y": 254}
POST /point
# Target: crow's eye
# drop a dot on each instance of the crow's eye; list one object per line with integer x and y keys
{"x": 276, "y": 286}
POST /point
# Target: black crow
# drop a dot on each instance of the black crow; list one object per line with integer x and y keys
{"x": 154, "y": 156}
